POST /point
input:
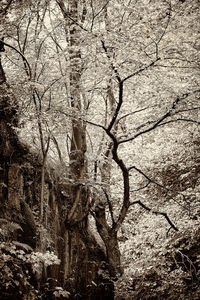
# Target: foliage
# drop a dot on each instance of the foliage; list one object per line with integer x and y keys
{"x": 15, "y": 273}
{"x": 110, "y": 91}
{"x": 18, "y": 262}
{"x": 161, "y": 267}
{"x": 60, "y": 292}
{"x": 157, "y": 262}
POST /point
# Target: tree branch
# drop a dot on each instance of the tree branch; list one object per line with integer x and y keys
{"x": 117, "y": 110}
{"x": 158, "y": 184}
{"x": 98, "y": 13}
{"x": 141, "y": 188}
{"x": 66, "y": 15}
{"x": 7, "y": 6}
{"x": 23, "y": 57}
{"x": 164, "y": 117}
{"x": 111, "y": 64}
{"x": 140, "y": 70}
{"x": 131, "y": 113}
{"x": 182, "y": 120}
{"x": 155, "y": 213}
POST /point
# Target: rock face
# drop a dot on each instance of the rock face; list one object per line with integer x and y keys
{"x": 82, "y": 271}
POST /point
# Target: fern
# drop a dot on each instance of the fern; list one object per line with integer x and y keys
{"x": 23, "y": 246}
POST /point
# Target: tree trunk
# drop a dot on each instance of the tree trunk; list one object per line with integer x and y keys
{"x": 79, "y": 244}
{"x": 109, "y": 237}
